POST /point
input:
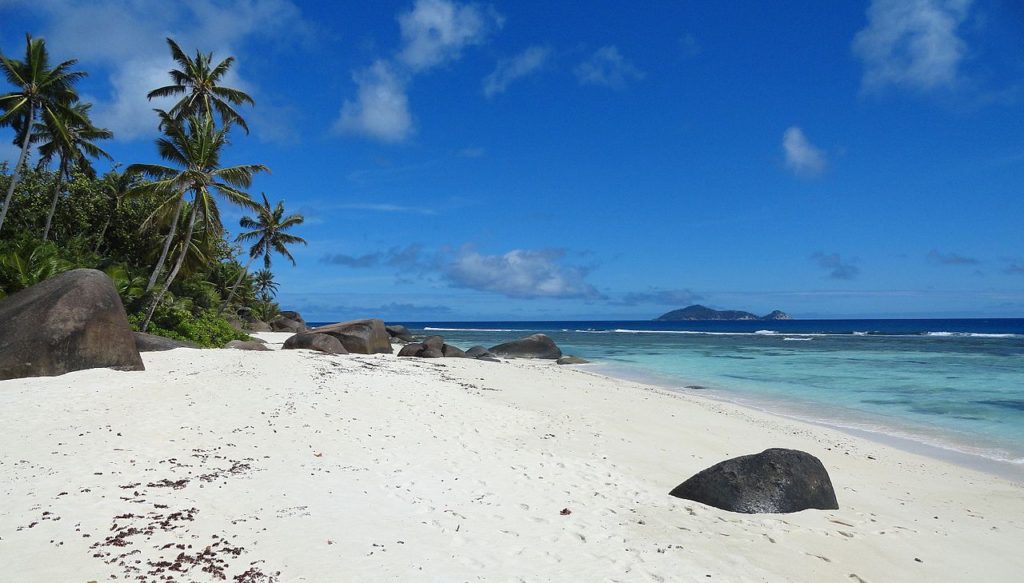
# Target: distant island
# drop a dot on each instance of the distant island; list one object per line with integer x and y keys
{"x": 698, "y": 312}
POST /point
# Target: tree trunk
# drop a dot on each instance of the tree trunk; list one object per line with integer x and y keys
{"x": 21, "y": 162}
{"x": 57, "y": 183}
{"x": 103, "y": 231}
{"x": 167, "y": 245}
{"x": 177, "y": 266}
{"x": 234, "y": 286}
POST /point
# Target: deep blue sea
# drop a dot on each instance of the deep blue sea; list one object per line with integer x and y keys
{"x": 953, "y": 388}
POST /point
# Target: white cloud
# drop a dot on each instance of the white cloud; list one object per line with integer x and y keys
{"x": 436, "y": 31}
{"x": 389, "y": 208}
{"x": 607, "y": 67}
{"x": 381, "y": 108}
{"x": 912, "y": 43}
{"x": 508, "y": 70}
{"x": 802, "y": 157}
{"x": 127, "y": 38}
{"x": 520, "y": 274}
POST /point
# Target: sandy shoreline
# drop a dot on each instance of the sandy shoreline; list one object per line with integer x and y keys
{"x": 298, "y": 466}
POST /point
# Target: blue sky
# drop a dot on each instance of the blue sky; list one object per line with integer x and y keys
{"x": 538, "y": 160}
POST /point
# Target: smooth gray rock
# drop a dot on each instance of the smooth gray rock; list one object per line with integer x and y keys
{"x": 258, "y": 326}
{"x": 775, "y": 480}
{"x": 360, "y": 336}
{"x": 433, "y": 342}
{"x": 153, "y": 343}
{"x": 399, "y": 332}
{"x": 411, "y": 349}
{"x": 535, "y": 346}
{"x": 293, "y": 316}
{"x": 476, "y": 351}
{"x": 431, "y": 353}
{"x": 72, "y": 321}
{"x": 283, "y": 324}
{"x": 315, "y": 341}
{"x": 450, "y": 351}
{"x": 572, "y": 360}
{"x": 246, "y": 345}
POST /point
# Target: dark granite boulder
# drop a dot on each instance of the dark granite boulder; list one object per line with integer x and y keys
{"x": 72, "y": 321}
{"x": 411, "y": 349}
{"x": 313, "y": 341}
{"x": 431, "y": 353}
{"x": 283, "y": 324}
{"x": 450, "y": 351}
{"x": 258, "y": 326}
{"x": 479, "y": 352}
{"x": 293, "y": 316}
{"x": 247, "y": 345}
{"x": 572, "y": 360}
{"x": 775, "y": 480}
{"x": 433, "y": 342}
{"x": 399, "y": 332}
{"x": 360, "y": 336}
{"x": 535, "y": 346}
{"x": 153, "y": 343}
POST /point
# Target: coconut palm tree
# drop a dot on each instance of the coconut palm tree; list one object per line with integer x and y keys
{"x": 194, "y": 147}
{"x": 115, "y": 186}
{"x": 264, "y": 284}
{"x": 70, "y": 139}
{"x": 267, "y": 229}
{"x": 198, "y": 81}
{"x": 40, "y": 92}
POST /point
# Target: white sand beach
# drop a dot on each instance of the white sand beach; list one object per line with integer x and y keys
{"x": 287, "y": 466}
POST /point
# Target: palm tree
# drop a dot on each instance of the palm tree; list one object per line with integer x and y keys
{"x": 194, "y": 147}
{"x": 41, "y": 91}
{"x": 265, "y": 285}
{"x": 115, "y": 185}
{"x": 198, "y": 81}
{"x": 267, "y": 229}
{"x": 69, "y": 138}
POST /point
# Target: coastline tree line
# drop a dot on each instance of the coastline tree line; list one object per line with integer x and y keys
{"x": 155, "y": 229}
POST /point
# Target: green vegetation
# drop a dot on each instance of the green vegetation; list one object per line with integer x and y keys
{"x": 154, "y": 229}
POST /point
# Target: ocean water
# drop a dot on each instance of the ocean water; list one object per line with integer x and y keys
{"x": 951, "y": 388}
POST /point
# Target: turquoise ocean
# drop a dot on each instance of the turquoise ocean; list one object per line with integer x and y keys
{"x": 947, "y": 388}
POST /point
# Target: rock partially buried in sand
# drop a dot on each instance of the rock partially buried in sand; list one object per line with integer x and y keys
{"x": 313, "y": 341}
{"x": 247, "y": 345}
{"x": 572, "y": 360}
{"x": 284, "y": 324}
{"x": 72, "y": 321}
{"x": 411, "y": 349}
{"x": 153, "y": 343}
{"x": 535, "y": 346}
{"x": 775, "y": 480}
{"x": 450, "y": 351}
{"x": 360, "y": 336}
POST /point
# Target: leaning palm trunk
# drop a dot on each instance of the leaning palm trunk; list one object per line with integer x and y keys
{"x": 177, "y": 266}
{"x": 167, "y": 245}
{"x": 58, "y": 182}
{"x": 238, "y": 281}
{"x": 15, "y": 175}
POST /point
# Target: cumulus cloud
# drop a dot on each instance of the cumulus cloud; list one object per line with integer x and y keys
{"x": 912, "y": 43}
{"x": 520, "y": 274}
{"x": 835, "y": 266}
{"x": 950, "y": 258}
{"x": 404, "y": 259}
{"x": 381, "y": 107}
{"x": 607, "y": 67}
{"x": 509, "y": 70}
{"x": 126, "y": 37}
{"x": 436, "y": 31}
{"x": 802, "y": 157}
{"x": 665, "y": 297}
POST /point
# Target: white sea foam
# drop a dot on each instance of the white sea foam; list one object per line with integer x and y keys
{"x": 969, "y": 335}
{"x": 797, "y": 339}
{"x": 432, "y": 329}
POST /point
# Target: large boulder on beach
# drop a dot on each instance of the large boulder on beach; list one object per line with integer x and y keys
{"x": 293, "y": 316}
{"x": 360, "y": 336}
{"x": 399, "y": 332}
{"x": 72, "y": 321}
{"x": 153, "y": 343}
{"x": 314, "y": 341}
{"x": 450, "y": 351}
{"x": 775, "y": 480}
{"x": 247, "y": 345}
{"x": 411, "y": 349}
{"x": 284, "y": 324}
{"x": 569, "y": 359}
{"x": 535, "y": 346}
{"x": 479, "y": 352}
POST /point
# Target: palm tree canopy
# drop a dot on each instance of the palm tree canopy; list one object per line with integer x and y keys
{"x": 264, "y": 283}
{"x": 39, "y": 89}
{"x": 69, "y": 135}
{"x": 194, "y": 146}
{"x": 198, "y": 81}
{"x": 268, "y": 230}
